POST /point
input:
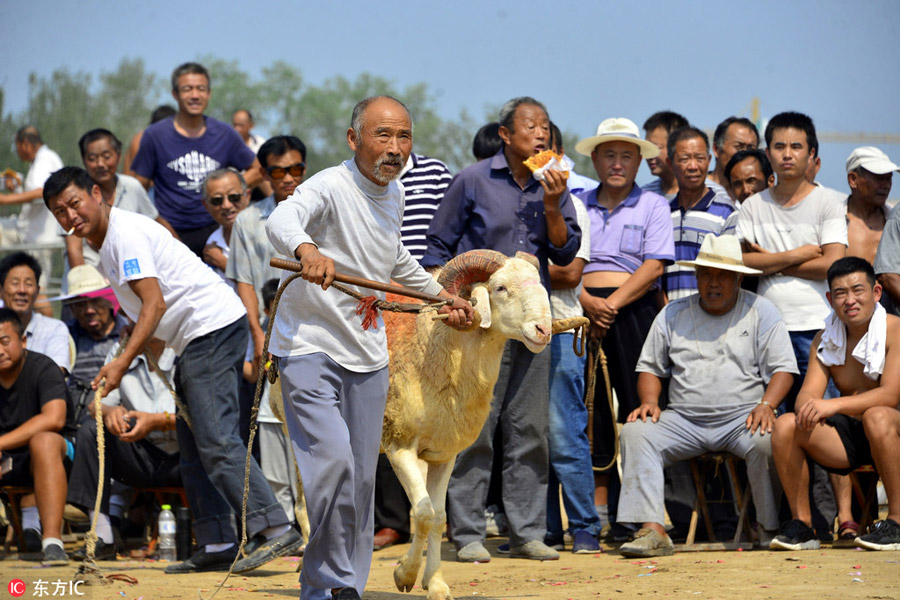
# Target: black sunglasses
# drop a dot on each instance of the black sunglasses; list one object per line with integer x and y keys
{"x": 218, "y": 200}
{"x": 279, "y": 172}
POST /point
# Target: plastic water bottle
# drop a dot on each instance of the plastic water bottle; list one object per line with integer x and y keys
{"x": 166, "y": 525}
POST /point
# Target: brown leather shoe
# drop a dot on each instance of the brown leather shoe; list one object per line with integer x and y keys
{"x": 386, "y": 537}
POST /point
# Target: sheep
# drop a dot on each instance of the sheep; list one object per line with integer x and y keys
{"x": 441, "y": 387}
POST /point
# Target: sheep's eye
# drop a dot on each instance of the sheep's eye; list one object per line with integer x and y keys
{"x": 500, "y": 288}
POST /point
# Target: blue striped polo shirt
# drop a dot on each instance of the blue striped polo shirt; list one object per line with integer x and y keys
{"x": 424, "y": 182}
{"x": 710, "y": 215}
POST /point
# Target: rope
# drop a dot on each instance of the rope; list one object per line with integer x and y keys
{"x": 89, "y": 566}
{"x": 596, "y": 356}
{"x": 367, "y": 305}
{"x": 182, "y": 411}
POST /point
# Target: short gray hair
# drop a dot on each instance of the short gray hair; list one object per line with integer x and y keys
{"x": 219, "y": 174}
{"x": 356, "y": 120}
{"x": 508, "y": 110}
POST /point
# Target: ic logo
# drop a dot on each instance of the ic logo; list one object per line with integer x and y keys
{"x": 16, "y": 588}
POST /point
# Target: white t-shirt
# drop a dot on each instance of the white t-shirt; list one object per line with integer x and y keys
{"x": 356, "y": 223}
{"x": 819, "y": 219}
{"x": 564, "y": 303}
{"x": 36, "y": 224}
{"x": 130, "y": 196}
{"x": 197, "y": 300}
{"x": 217, "y": 237}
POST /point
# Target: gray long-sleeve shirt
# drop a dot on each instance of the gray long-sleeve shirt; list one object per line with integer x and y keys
{"x": 356, "y": 223}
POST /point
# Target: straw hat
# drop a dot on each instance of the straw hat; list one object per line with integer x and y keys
{"x": 85, "y": 281}
{"x": 720, "y": 252}
{"x": 617, "y": 129}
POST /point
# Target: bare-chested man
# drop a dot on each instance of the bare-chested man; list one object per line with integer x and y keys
{"x": 860, "y": 350}
{"x": 869, "y": 174}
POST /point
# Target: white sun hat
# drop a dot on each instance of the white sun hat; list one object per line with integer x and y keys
{"x": 720, "y": 252}
{"x": 617, "y": 129}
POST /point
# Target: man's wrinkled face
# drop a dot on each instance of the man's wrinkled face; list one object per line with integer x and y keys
{"x": 384, "y": 141}
{"x": 12, "y": 347}
{"x": 225, "y": 198}
{"x": 20, "y": 288}
{"x": 737, "y": 137}
{"x": 530, "y": 132}
{"x": 94, "y": 315}
{"x": 241, "y": 122}
{"x": 789, "y": 152}
{"x": 747, "y": 179}
{"x": 690, "y": 163}
{"x": 101, "y": 161}
{"x": 853, "y": 298}
{"x": 659, "y": 165}
{"x": 617, "y": 163}
{"x": 869, "y": 186}
{"x": 192, "y": 94}
{"x": 283, "y": 187}
{"x": 718, "y": 289}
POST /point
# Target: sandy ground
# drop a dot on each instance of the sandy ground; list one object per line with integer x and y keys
{"x": 826, "y": 573}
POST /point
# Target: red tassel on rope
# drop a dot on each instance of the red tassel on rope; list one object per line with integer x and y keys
{"x": 367, "y": 306}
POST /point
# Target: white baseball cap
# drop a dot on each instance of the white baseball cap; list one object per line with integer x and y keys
{"x": 871, "y": 159}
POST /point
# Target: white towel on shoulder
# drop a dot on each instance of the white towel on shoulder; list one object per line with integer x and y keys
{"x": 869, "y": 351}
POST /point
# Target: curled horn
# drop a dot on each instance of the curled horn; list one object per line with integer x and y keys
{"x": 529, "y": 258}
{"x": 472, "y": 267}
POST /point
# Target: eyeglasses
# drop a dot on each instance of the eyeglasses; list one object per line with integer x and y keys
{"x": 218, "y": 200}
{"x": 279, "y": 172}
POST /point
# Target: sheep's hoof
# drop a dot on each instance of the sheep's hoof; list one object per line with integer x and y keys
{"x": 402, "y": 578}
{"x": 438, "y": 590}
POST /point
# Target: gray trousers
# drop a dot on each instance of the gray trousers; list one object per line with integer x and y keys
{"x": 334, "y": 417}
{"x": 520, "y": 408}
{"x": 277, "y": 464}
{"x": 648, "y": 447}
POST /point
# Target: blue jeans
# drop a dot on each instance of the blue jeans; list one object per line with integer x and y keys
{"x": 570, "y": 454}
{"x": 213, "y": 456}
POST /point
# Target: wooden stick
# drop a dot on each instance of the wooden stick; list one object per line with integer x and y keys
{"x": 292, "y": 265}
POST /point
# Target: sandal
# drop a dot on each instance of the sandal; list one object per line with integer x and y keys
{"x": 847, "y": 534}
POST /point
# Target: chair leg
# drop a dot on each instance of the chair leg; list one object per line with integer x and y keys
{"x": 16, "y": 518}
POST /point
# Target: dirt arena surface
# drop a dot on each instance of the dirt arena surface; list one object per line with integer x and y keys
{"x": 826, "y": 573}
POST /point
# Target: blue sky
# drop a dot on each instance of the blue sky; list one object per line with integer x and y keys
{"x": 837, "y": 61}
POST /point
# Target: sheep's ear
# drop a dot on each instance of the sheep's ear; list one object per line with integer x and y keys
{"x": 483, "y": 305}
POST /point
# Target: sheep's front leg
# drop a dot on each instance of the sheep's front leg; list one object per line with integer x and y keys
{"x": 404, "y": 461}
{"x": 433, "y": 579}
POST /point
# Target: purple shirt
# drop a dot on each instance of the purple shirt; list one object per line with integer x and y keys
{"x": 639, "y": 228}
{"x": 177, "y": 165}
{"x": 484, "y": 207}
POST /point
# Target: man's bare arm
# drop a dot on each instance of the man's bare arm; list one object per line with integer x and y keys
{"x": 762, "y": 417}
{"x": 153, "y": 306}
{"x": 247, "y": 294}
{"x": 817, "y": 268}
{"x": 51, "y": 418}
{"x": 638, "y": 284}
{"x": 144, "y": 180}
{"x": 891, "y": 284}
{"x": 253, "y": 174}
{"x": 649, "y": 387}
{"x": 74, "y": 250}
{"x": 567, "y": 277}
{"x": 167, "y": 225}
{"x": 22, "y": 197}
{"x": 756, "y": 257}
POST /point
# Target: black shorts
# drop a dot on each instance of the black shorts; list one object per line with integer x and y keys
{"x": 856, "y": 444}
{"x": 21, "y": 465}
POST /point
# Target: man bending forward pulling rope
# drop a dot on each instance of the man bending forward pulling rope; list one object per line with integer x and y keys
{"x": 172, "y": 295}
{"x": 335, "y": 374}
